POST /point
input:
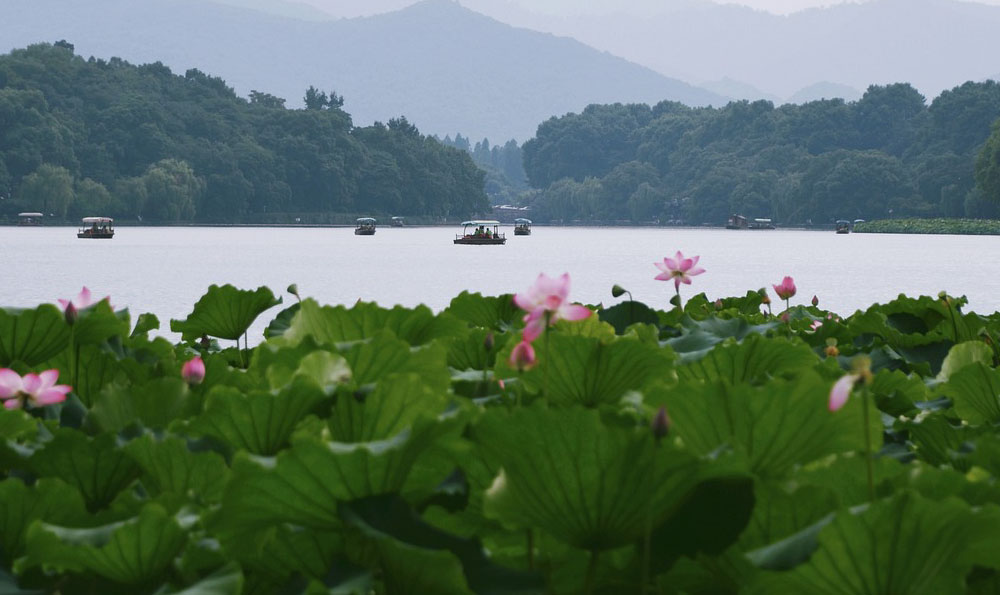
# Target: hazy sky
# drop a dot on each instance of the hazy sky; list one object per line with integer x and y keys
{"x": 350, "y": 8}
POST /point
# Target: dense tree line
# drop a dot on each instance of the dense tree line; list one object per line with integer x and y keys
{"x": 106, "y": 137}
{"x": 887, "y": 154}
{"x": 503, "y": 165}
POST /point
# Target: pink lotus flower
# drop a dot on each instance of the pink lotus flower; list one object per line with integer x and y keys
{"x": 661, "y": 424}
{"x": 841, "y": 391}
{"x": 37, "y": 390}
{"x": 547, "y": 300}
{"x": 523, "y": 355}
{"x": 193, "y": 371}
{"x": 786, "y": 289}
{"x": 816, "y": 324}
{"x": 815, "y": 301}
{"x": 679, "y": 269}
{"x": 82, "y": 300}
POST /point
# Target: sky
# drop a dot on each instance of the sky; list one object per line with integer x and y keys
{"x": 349, "y": 8}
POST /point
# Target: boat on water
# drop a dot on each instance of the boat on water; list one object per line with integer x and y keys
{"x": 398, "y": 221}
{"x": 29, "y": 219}
{"x": 485, "y": 232}
{"x": 737, "y": 222}
{"x": 761, "y": 223}
{"x": 843, "y": 226}
{"x": 365, "y": 227}
{"x": 522, "y": 226}
{"x": 97, "y": 228}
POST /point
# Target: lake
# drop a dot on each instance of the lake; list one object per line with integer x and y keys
{"x": 165, "y": 270}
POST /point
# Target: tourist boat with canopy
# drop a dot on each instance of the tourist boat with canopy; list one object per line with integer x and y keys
{"x": 97, "y": 228}
{"x": 481, "y": 232}
{"x": 365, "y": 227}
{"x": 398, "y": 221}
{"x": 522, "y": 226}
{"x": 843, "y": 226}
{"x": 29, "y": 219}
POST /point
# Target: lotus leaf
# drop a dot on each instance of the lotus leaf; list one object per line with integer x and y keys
{"x": 257, "y": 421}
{"x": 396, "y": 404}
{"x": 385, "y": 355}
{"x": 154, "y": 404}
{"x": 625, "y": 314}
{"x": 89, "y": 368}
{"x": 227, "y": 580}
{"x": 170, "y": 467}
{"x": 593, "y": 485}
{"x": 699, "y": 337}
{"x": 497, "y": 313}
{"x": 32, "y": 336}
{"x": 282, "y": 322}
{"x": 751, "y": 361}
{"x": 145, "y": 323}
{"x": 98, "y": 323}
{"x": 225, "y": 312}
{"x": 587, "y": 371}
{"x": 49, "y": 500}
{"x": 775, "y": 426}
{"x": 975, "y": 393}
{"x": 97, "y": 467}
{"x": 130, "y": 552}
{"x": 336, "y": 324}
{"x": 905, "y": 544}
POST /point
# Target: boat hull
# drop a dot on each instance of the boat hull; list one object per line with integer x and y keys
{"x": 364, "y": 232}
{"x": 522, "y": 232}
{"x": 96, "y": 236}
{"x": 481, "y": 241}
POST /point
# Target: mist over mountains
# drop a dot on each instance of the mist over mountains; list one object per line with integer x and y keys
{"x": 445, "y": 68}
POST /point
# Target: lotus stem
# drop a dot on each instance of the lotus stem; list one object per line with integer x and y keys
{"x": 545, "y": 372}
{"x": 868, "y": 446}
{"x": 531, "y": 549}
{"x": 588, "y": 585}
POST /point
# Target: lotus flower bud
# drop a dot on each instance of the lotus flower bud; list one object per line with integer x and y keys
{"x": 661, "y": 424}
{"x": 71, "y": 314}
{"x": 765, "y": 300}
{"x": 293, "y": 289}
{"x": 489, "y": 342}
{"x": 718, "y": 304}
{"x": 617, "y": 290}
{"x": 193, "y": 371}
{"x": 815, "y": 301}
{"x": 205, "y": 342}
{"x": 523, "y": 356}
{"x": 832, "y": 351}
{"x": 785, "y": 317}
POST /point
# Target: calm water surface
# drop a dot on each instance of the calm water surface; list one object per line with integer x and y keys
{"x": 165, "y": 270}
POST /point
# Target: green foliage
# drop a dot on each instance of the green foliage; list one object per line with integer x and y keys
{"x": 933, "y": 225}
{"x": 104, "y": 137}
{"x": 367, "y": 449}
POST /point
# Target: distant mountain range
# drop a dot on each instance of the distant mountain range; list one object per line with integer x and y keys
{"x": 933, "y": 44}
{"x": 446, "y": 68}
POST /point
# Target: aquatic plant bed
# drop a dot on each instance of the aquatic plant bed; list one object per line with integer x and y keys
{"x": 942, "y": 226}
{"x": 502, "y": 446}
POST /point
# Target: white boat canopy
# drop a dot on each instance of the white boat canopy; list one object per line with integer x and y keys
{"x": 481, "y": 222}
{"x": 36, "y": 215}
{"x": 366, "y": 220}
{"x": 98, "y": 220}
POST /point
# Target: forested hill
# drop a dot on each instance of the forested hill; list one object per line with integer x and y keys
{"x": 888, "y": 153}
{"x": 84, "y": 137}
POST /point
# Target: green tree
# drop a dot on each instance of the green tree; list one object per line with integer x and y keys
{"x": 48, "y": 190}
{"x": 988, "y": 166}
{"x": 93, "y": 199}
{"x": 172, "y": 190}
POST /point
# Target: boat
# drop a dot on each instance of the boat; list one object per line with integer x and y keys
{"x": 761, "y": 223}
{"x": 366, "y": 226}
{"x": 97, "y": 228}
{"x": 483, "y": 232}
{"x": 522, "y": 226}
{"x": 736, "y": 222}
{"x": 397, "y": 222}
{"x": 29, "y": 219}
{"x": 843, "y": 226}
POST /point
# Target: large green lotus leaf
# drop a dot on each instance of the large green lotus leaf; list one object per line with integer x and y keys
{"x": 293, "y": 549}
{"x": 97, "y": 466}
{"x": 144, "y": 323}
{"x": 498, "y": 313}
{"x": 774, "y": 427}
{"x": 905, "y": 544}
{"x": 395, "y": 404}
{"x": 965, "y": 354}
{"x": 908, "y": 322}
{"x": 384, "y": 354}
{"x": 337, "y": 324}
{"x": 753, "y": 360}
{"x": 469, "y": 352}
{"x": 401, "y": 540}
{"x": 623, "y": 315}
{"x": 282, "y": 322}
{"x": 227, "y": 580}
{"x": 259, "y": 422}
{"x": 169, "y": 467}
{"x": 275, "y": 361}
{"x": 897, "y": 393}
{"x": 154, "y": 404}
{"x": 99, "y": 322}
{"x": 49, "y": 500}
{"x": 304, "y": 483}
{"x": 975, "y": 393}
{"x": 939, "y": 440}
{"x": 592, "y": 327}
{"x": 986, "y": 453}
{"x": 130, "y": 552}
{"x": 16, "y": 424}
{"x": 225, "y": 312}
{"x": 587, "y": 371}
{"x": 845, "y": 475}
{"x": 590, "y": 484}
{"x": 782, "y": 510}
{"x": 699, "y": 337}
{"x": 89, "y": 368}
{"x": 32, "y": 336}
